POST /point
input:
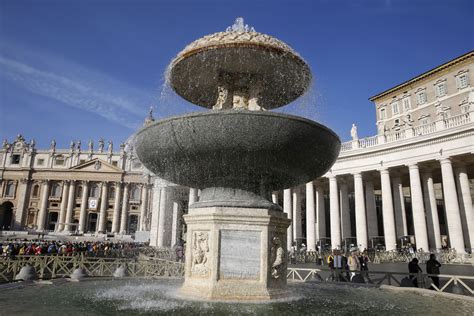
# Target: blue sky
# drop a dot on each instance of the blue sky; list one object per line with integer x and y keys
{"x": 85, "y": 69}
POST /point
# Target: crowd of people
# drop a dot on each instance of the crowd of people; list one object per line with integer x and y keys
{"x": 352, "y": 268}
{"x": 13, "y": 248}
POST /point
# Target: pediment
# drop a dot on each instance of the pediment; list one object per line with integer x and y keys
{"x": 97, "y": 165}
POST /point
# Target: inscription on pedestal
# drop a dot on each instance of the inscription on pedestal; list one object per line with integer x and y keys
{"x": 239, "y": 254}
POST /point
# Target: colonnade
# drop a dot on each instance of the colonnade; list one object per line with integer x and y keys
{"x": 121, "y": 209}
{"x": 424, "y": 210}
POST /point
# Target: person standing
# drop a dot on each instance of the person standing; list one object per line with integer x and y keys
{"x": 432, "y": 267}
{"x": 414, "y": 269}
{"x": 353, "y": 263}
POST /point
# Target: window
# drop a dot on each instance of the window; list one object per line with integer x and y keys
{"x": 421, "y": 97}
{"x": 112, "y": 193}
{"x": 55, "y": 190}
{"x": 462, "y": 79}
{"x": 59, "y": 161}
{"x": 135, "y": 193}
{"x": 382, "y": 114}
{"x": 441, "y": 89}
{"x": 79, "y": 191}
{"x": 10, "y": 189}
{"x": 94, "y": 191}
{"x": 40, "y": 162}
{"x": 35, "y": 192}
{"x": 424, "y": 120}
{"x": 465, "y": 107}
{"x": 395, "y": 108}
{"x": 15, "y": 159}
{"x": 406, "y": 104}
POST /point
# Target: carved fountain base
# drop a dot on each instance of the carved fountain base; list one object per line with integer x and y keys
{"x": 235, "y": 253}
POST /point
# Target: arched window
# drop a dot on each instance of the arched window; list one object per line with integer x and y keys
{"x": 35, "y": 192}
{"x": 135, "y": 193}
{"x": 55, "y": 190}
{"x": 10, "y": 189}
{"x": 112, "y": 193}
{"x": 94, "y": 191}
{"x": 79, "y": 191}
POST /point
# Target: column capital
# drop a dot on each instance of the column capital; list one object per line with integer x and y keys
{"x": 24, "y": 181}
{"x": 85, "y": 182}
{"x": 412, "y": 165}
{"x": 445, "y": 160}
{"x": 357, "y": 174}
{"x": 383, "y": 170}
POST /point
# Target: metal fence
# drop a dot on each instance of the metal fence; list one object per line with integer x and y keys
{"x": 457, "y": 284}
{"x": 62, "y": 266}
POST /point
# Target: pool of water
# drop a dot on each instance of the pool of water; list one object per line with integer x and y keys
{"x": 155, "y": 297}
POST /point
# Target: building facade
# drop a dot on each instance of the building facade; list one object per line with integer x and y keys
{"x": 411, "y": 184}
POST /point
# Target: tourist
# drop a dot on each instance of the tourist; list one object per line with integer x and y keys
{"x": 414, "y": 269}
{"x": 353, "y": 263}
{"x": 339, "y": 264}
{"x": 432, "y": 267}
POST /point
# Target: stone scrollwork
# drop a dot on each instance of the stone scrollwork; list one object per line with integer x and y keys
{"x": 277, "y": 259}
{"x": 200, "y": 252}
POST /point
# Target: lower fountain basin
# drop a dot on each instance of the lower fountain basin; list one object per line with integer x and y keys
{"x": 160, "y": 297}
{"x": 249, "y": 150}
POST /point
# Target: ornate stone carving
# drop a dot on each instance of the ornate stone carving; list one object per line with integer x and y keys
{"x": 277, "y": 255}
{"x": 200, "y": 252}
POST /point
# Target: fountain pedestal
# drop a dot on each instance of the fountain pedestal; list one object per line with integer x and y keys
{"x": 235, "y": 253}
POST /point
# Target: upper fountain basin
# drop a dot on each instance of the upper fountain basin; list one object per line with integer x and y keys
{"x": 249, "y": 150}
{"x": 257, "y": 59}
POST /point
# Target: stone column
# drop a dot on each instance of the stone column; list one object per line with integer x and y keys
{"x": 399, "y": 205}
{"x": 418, "y": 210}
{"x": 143, "y": 207}
{"x": 43, "y": 205}
{"x": 434, "y": 233}
{"x": 387, "y": 211}
{"x": 372, "y": 224}
{"x": 465, "y": 200}
{"x": 116, "y": 215}
{"x": 155, "y": 213}
{"x": 297, "y": 233}
{"x": 23, "y": 191}
{"x": 310, "y": 217}
{"x": 71, "y": 201}
{"x": 62, "y": 209}
{"x": 360, "y": 216}
{"x": 287, "y": 208}
{"x": 345, "y": 211}
{"x": 104, "y": 205}
{"x": 275, "y": 197}
{"x": 124, "y": 218}
{"x": 162, "y": 216}
{"x": 175, "y": 224}
{"x": 453, "y": 216}
{"x": 320, "y": 213}
{"x": 193, "y": 196}
{"x": 83, "y": 214}
{"x": 334, "y": 213}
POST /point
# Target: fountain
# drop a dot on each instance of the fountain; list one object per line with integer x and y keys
{"x": 237, "y": 154}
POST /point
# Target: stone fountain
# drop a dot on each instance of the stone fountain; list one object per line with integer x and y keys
{"x": 237, "y": 154}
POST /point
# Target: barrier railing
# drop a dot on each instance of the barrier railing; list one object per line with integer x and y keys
{"x": 62, "y": 266}
{"x": 457, "y": 284}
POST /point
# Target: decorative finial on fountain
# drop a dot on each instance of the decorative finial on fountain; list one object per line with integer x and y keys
{"x": 240, "y": 26}
{"x": 149, "y": 119}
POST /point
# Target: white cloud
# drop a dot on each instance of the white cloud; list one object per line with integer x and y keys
{"x": 90, "y": 92}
